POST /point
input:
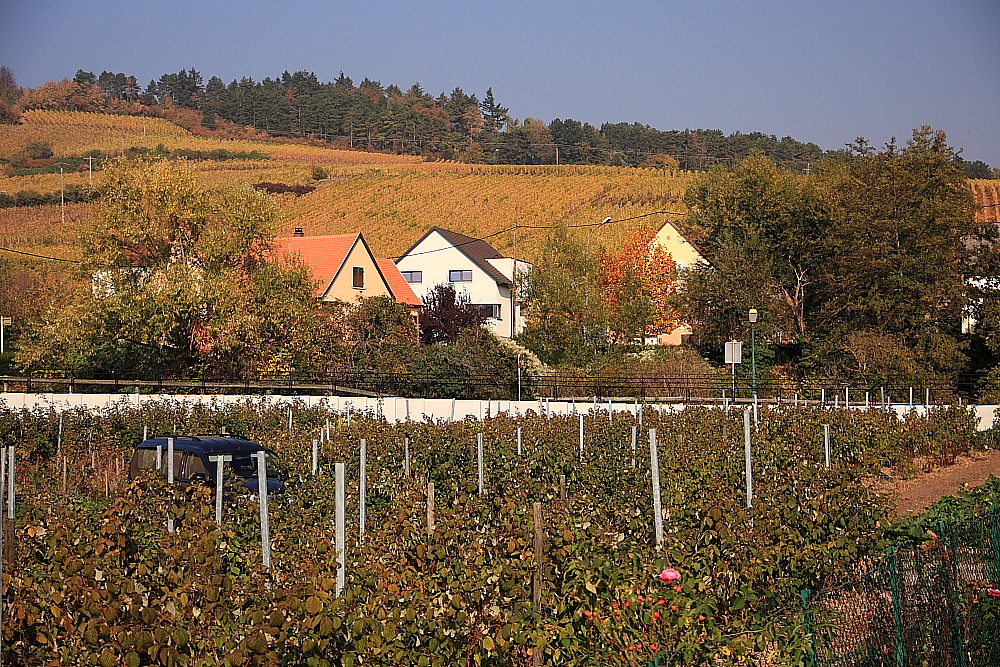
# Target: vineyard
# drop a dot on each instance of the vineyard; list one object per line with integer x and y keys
{"x": 547, "y": 556}
{"x": 988, "y": 196}
{"x": 392, "y": 199}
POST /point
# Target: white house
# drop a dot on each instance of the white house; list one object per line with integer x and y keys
{"x": 473, "y": 266}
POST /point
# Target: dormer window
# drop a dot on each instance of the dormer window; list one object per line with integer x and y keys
{"x": 460, "y": 276}
{"x": 359, "y": 277}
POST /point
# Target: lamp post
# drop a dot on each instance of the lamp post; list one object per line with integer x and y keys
{"x": 753, "y": 352}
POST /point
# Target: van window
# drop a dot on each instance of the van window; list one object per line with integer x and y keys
{"x": 193, "y": 465}
{"x": 145, "y": 459}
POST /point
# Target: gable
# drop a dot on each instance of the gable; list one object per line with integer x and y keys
{"x": 681, "y": 250}
{"x": 476, "y": 251}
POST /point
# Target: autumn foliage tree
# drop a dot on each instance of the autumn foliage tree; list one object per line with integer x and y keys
{"x": 179, "y": 278}
{"x": 636, "y": 285}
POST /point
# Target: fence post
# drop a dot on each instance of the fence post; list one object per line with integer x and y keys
{"x": 315, "y": 457}
{"x": 59, "y": 440}
{"x": 654, "y": 467}
{"x": 897, "y": 607}
{"x": 220, "y": 461}
{"x": 957, "y": 638}
{"x": 340, "y": 528}
{"x": 806, "y": 604}
{"x": 562, "y": 488}
{"x": 518, "y": 440}
{"x": 581, "y": 438}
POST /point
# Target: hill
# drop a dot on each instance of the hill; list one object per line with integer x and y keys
{"x": 392, "y": 199}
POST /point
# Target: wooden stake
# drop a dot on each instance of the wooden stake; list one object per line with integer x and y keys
{"x": 562, "y": 488}
{"x": 536, "y": 654}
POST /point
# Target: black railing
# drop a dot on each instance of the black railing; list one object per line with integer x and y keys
{"x": 558, "y": 386}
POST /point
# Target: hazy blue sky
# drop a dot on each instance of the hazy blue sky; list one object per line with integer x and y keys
{"x": 825, "y": 72}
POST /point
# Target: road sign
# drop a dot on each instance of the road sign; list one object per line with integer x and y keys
{"x": 734, "y": 352}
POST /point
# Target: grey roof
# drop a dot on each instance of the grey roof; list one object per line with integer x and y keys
{"x": 477, "y": 250}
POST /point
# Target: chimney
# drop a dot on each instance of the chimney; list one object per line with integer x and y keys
{"x": 299, "y": 232}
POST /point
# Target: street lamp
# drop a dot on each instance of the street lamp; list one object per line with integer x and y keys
{"x": 753, "y": 351}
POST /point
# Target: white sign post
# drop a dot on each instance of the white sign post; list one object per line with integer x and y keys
{"x": 734, "y": 355}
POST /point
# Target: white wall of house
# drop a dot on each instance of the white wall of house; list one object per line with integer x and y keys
{"x": 436, "y": 258}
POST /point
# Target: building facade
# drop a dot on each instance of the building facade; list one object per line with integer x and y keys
{"x": 473, "y": 267}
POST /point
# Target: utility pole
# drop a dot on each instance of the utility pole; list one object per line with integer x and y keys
{"x": 90, "y": 161}
{"x": 513, "y": 292}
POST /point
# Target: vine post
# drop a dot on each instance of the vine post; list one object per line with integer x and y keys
{"x": 430, "y": 508}
{"x": 654, "y": 467}
{"x": 826, "y": 444}
{"x": 265, "y": 525}
{"x": 479, "y": 460}
{"x": 339, "y": 528}
{"x": 748, "y": 458}
{"x": 536, "y": 593}
{"x": 363, "y": 490}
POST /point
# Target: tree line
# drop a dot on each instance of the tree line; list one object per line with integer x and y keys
{"x": 373, "y": 116}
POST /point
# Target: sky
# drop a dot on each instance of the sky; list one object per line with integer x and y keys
{"x": 825, "y": 72}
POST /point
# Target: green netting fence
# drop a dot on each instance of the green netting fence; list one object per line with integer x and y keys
{"x": 934, "y": 605}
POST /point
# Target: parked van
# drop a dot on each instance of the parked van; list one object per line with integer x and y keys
{"x": 193, "y": 466}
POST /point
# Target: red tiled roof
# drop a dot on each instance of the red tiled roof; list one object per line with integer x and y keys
{"x": 325, "y": 255}
{"x": 397, "y": 284}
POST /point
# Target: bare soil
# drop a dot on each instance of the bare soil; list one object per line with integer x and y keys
{"x": 917, "y": 494}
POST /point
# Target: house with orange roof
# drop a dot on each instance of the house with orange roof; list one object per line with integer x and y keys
{"x": 346, "y": 269}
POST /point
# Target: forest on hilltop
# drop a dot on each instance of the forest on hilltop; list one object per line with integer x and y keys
{"x": 373, "y": 116}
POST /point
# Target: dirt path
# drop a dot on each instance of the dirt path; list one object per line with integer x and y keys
{"x": 917, "y": 494}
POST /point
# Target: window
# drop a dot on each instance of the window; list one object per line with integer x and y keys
{"x": 359, "y": 277}
{"x": 192, "y": 465}
{"x": 413, "y": 276}
{"x": 460, "y": 276}
{"x": 492, "y": 310}
{"x": 145, "y": 459}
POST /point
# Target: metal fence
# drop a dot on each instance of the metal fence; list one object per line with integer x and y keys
{"x": 461, "y": 383}
{"x": 937, "y": 604}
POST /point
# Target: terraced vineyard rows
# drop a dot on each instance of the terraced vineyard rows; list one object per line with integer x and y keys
{"x": 395, "y": 206}
{"x": 99, "y": 580}
{"x": 987, "y": 194}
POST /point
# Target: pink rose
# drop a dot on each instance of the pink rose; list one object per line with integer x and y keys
{"x": 669, "y": 574}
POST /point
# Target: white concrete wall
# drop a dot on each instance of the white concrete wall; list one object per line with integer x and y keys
{"x": 435, "y": 257}
{"x": 392, "y": 409}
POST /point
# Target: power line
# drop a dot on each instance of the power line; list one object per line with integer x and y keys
{"x": 502, "y": 231}
{"x": 31, "y": 254}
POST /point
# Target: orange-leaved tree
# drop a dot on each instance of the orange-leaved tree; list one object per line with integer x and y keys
{"x": 637, "y": 283}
